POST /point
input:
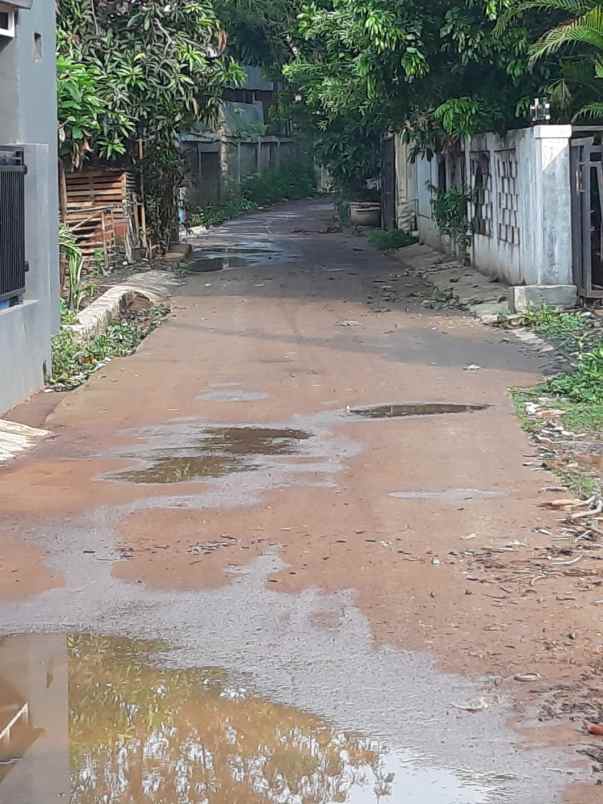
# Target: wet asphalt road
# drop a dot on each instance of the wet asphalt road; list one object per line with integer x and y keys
{"x": 222, "y": 582}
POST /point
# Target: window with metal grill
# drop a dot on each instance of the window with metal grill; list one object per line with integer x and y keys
{"x": 12, "y": 223}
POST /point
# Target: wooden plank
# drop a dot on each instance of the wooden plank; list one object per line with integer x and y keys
{"x": 91, "y": 192}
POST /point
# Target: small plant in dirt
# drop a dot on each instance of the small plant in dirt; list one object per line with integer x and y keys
{"x": 391, "y": 240}
{"x": 67, "y": 315}
{"x": 71, "y": 253}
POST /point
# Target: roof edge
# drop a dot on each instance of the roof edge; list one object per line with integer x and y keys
{"x": 17, "y": 3}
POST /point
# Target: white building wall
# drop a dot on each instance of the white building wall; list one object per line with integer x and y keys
{"x": 523, "y": 233}
{"x": 426, "y": 173}
{"x": 406, "y": 187}
{"x": 28, "y": 117}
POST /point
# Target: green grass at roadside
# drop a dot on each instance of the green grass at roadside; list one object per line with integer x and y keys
{"x": 582, "y": 419}
{"x": 578, "y": 337}
{"x": 577, "y": 417}
{"x": 390, "y": 240}
{"x": 73, "y": 360}
{"x": 217, "y": 214}
{"x": 579, "y": 482}
{"x": 573, "y": 333}
{"x": 548, "y": 321}
{"x": 573, "y": 398}
{"x": 584, "y": 385}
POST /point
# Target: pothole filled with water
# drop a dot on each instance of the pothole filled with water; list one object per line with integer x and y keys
{"x": 97, "y": 718}
{"x": 220, "y": 258}
{"x": 414, "y": 409}
{"x": 217, "y": 452}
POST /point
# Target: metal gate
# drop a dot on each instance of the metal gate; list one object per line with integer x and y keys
{"x": 586, "y": 168}
{"x": 389, "y": 183}
{"x": 12, "y": 223}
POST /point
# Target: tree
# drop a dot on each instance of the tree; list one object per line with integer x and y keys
{"x": 353, "y": 62}
{"x": 437, "y": 71}
{"x": 260, "y": 31}
{"x": 142, "y": 68}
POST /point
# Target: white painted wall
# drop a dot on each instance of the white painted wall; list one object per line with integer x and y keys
{"x": 540, "y": 249}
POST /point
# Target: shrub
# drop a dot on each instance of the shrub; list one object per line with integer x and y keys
{"x": 585, "y": 384}
{"x": 388, "y": 241}
{"x": 290, "y": 183}
{"x": 217, "y": 214}
{"x": 287, "y": 183}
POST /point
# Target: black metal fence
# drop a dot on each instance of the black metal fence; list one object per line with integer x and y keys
{"x": 586, "y": 166}
{"x": 12, "y": 223}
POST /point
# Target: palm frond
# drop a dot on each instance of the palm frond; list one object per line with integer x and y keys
{"x": 561, "y": 94}
{"x": 575, "y": 8}
{"x": 593, "y": 111}
{"x": 585, "y": 30}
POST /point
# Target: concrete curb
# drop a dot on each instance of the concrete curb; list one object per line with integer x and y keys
{"x": 109, "y": 307}
{"x": 478, "y": 293}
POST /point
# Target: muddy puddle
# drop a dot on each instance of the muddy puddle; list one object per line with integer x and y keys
{"x": 214, "y": 453}
{"x": 417, "y": 409}
{"x": 89, "y": 719}
{"x": 218, "y": 259}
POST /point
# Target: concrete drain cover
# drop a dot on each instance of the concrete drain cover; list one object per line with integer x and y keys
{"x": 415, "y": 409}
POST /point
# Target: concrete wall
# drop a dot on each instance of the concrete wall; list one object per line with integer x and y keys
{"x": 520, "y": 208}
{"x": 28, "y": 116}
{"x": 406, "y": 187}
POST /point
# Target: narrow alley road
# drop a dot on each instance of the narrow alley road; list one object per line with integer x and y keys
{"x": 231, "y": 577}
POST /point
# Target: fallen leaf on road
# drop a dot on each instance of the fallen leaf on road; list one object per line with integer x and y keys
{"x": 595, "y": 728}
{"x": 527, "y": 676}
{"x": 478, "y": 706}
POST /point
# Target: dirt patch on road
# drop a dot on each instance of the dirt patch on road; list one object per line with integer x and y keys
{"x": 183, "y": 550}
{"x": 23, "y": 572}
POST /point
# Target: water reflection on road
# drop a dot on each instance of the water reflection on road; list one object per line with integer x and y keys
{"x": 108, "y": 722}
